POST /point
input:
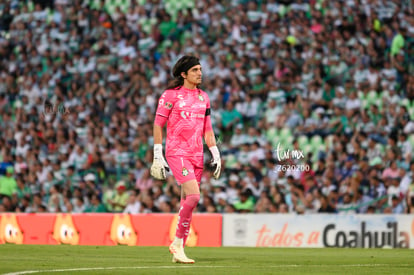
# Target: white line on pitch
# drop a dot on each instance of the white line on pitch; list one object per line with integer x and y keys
{"x": 115, "y": 267}
{"x": 336, "y": 265}
{"x": 198, "y": 266}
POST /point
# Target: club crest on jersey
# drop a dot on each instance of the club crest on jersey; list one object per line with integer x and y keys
{"x": 200, "y": 97}
{"x": 185, "y": 172}
{"x": 168, "y": 105}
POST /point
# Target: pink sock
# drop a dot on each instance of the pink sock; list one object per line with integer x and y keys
{"x": 185, "y": 215}
{"x": 187, "y": 230}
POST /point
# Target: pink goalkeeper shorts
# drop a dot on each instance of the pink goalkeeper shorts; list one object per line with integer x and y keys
{"x": 186, "y": 168}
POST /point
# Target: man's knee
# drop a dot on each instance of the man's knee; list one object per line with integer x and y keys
{"x": 192, "y": 200}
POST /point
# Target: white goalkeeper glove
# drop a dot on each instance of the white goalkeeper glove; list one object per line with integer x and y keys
{"x": 159, "y": 166}
{"x": 216, "y": 162}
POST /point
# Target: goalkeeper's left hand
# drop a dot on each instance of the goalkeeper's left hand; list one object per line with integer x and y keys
{"x": 216, "y": 162}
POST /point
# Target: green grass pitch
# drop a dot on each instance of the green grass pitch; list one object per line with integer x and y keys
{"x": 62, "y": 259}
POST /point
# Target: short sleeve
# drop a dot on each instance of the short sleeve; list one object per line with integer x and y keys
{"x": 166, "y": 103}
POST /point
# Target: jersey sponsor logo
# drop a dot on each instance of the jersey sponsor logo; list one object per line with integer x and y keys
{"x": 168, "y": 105}
{"x": 181, "y": 104}
{"x": 199, "y": 105}
{"x": 185, "y": 115}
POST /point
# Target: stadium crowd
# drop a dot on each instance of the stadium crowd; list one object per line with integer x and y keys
{"x": 312, "y": 104}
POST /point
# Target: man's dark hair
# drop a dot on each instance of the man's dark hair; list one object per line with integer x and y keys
{"x": 183, "y": 65}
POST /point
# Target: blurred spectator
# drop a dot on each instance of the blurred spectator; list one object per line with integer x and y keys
{"x": 144, "y": 182}
{"x": 148, "y": 205}
{"x": 245, "y": 203}
{"x": 326, "y": 207}
{"x": 8, "y": 184}
{"x": 56, "y": 200}
{"x": 91, "y": 187}
{"x": 133, "y": 206}
{"x": 79, "y": 81}
{"x": 95, "y": 206}
{"x": 78, "y": 205}
{"x": 120, "y": 199}
{"x": 24, "y": 204}
{"x": 397, "y": 205}
{"x": 36, "y": 205}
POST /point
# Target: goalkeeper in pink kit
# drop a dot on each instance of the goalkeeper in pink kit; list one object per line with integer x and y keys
{"x": 186, "y": 110}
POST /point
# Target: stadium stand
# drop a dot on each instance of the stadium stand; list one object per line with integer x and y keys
{"x": 313, "y": 103}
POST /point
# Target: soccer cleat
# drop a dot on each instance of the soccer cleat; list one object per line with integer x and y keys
{"x": 186, "y": 261}
{"x": 174, "y": 260}
{"x": 179, "y": 255}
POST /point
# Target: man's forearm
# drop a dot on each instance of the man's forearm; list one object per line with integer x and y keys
{"x": 210, "y": 139}
{"x": 157, "y": 134}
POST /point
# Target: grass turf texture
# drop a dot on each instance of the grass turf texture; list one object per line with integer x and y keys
{"x": 157, "y": 260}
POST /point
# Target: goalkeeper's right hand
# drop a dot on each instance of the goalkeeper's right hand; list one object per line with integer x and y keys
{"x": 159, "y": 166}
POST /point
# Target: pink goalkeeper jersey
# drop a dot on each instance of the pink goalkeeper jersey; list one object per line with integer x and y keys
{"x": 185, "y": 111}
